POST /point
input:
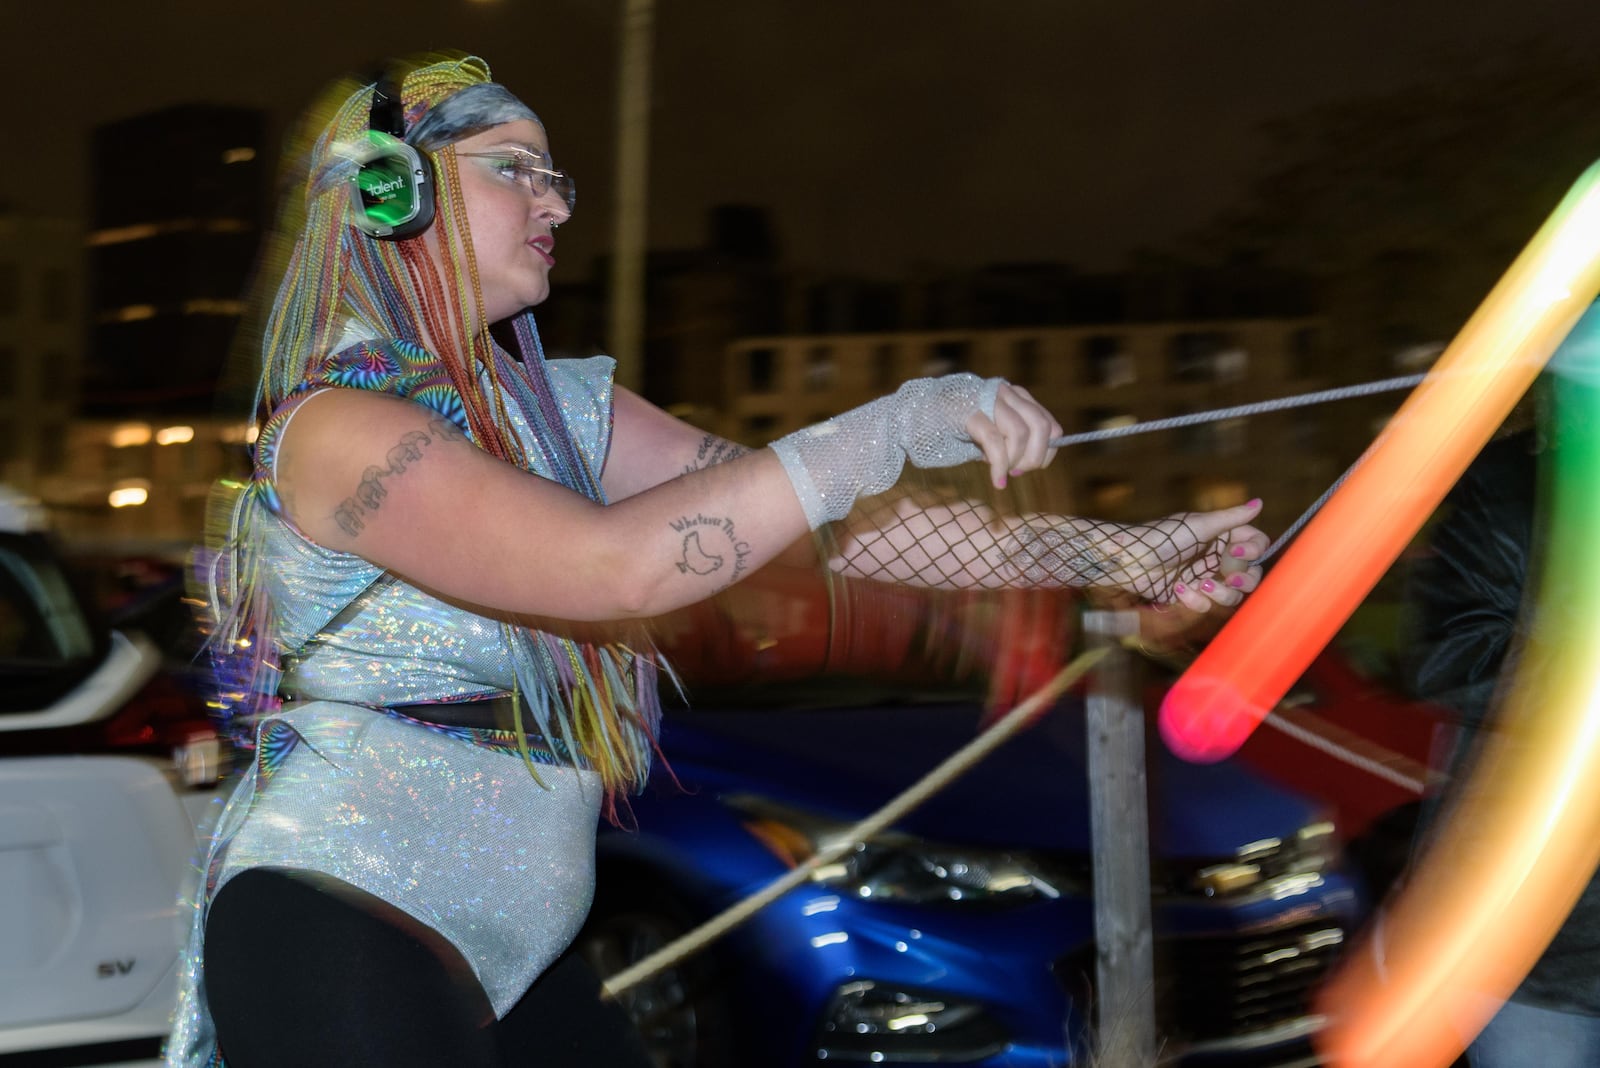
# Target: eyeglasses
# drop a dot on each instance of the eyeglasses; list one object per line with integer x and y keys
{"x": 531, "y": 170}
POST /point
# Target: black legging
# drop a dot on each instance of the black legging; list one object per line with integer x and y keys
{"x": 303, "y": 969}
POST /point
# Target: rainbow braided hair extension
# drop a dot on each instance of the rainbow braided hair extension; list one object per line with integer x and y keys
{"x": 321, "y": 273}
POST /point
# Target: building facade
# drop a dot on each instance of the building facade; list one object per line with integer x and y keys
{"x": 1092, "y": 377}
{"x": 128, "y": 328}
{"x": 177, "y": 204}
{"x": 41, "y": 344}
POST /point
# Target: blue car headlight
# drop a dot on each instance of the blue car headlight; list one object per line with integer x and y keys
{"x": 903, "y": 868}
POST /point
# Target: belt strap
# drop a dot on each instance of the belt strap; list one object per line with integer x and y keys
{"x": 491, "y": 714}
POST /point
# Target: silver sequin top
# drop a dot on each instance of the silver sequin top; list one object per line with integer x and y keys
{"x": 459, "y": 836}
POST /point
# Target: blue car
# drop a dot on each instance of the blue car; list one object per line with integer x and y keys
{"x": 966, "y": 934}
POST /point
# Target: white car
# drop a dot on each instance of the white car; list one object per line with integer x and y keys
{"x": 108, "y": 774}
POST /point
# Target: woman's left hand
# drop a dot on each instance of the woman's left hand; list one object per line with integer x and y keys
{"x": 1018, "y": 438}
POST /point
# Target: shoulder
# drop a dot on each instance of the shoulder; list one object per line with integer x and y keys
{"x": 335, "y": 418}
{"x": 588, "y": 393}
{"x": 591, "y": 373}
{"x": 348, "y": 449}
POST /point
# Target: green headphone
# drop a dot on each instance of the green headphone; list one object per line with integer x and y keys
{"x": 391, "y": 193}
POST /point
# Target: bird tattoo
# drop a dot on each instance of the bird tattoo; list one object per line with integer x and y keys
{"x": 695, "y": 558}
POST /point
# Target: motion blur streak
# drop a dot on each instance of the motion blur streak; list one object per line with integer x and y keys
{"x": 1493, "y": 887}
{"x": 1347, "y": 547}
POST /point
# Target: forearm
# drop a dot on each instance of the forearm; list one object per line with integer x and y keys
{"x": 963, "y": 544}
{"x": 698, "y": 534}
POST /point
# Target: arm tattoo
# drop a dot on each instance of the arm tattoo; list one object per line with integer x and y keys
{"x": 713, "y": 451}
{"x": 1048, "y": 556}
{"x": 709, "y": 544}
{"x": 370, "y": 491}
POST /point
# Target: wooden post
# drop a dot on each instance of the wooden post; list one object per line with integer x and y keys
{"x": 1125, "y": 1034}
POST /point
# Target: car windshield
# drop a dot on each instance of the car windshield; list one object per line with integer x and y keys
{"x": 40, "y": 621}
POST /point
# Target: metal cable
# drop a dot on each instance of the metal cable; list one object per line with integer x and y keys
{"x": 1362, "y": 389}
{"x": 1258, "y": 408}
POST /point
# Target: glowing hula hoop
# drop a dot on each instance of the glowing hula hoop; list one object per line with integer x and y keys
{"x": 1516, "y": 851}
{"x": 1491, "y": 890}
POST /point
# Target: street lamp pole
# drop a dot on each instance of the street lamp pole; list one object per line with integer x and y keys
{"x": 626, "y": 305}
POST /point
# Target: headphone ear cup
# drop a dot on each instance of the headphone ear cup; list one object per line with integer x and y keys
{"x": 391, "y": 193}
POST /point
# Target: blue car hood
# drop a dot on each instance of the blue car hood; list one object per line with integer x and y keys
{"x": 1031, "y": 793}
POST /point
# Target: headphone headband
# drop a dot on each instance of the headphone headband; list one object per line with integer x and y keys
{"x": 387, "y": 114}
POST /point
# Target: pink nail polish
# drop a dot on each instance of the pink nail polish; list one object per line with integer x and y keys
{"x": 1236, "y": 581}
{"x": 1178, "y": 588}
{"x": 1254, "y": 502}
{"x": 1208, "y": 585}
{"x": 1238, "y": 550}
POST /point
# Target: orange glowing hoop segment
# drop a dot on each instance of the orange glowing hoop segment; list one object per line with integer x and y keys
{"x": 1249, "y": 666}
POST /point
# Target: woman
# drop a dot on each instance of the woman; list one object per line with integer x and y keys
{"x": 436, "y": 527}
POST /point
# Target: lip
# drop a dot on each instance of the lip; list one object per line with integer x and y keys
{"x": 544, "y": 246}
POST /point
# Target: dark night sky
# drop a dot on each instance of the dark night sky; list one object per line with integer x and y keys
{"x": 884, "y": 133}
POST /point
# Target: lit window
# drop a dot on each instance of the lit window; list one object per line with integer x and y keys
{"x": 130, "y": 434}
{"x": 138, "y": 232}
{"x": 238, "y": 155}
{"x": 211, "y": 306}
{"x": 174, "y": 435}
{"x": 129, "y": 493}
{"x": 131, "y": 313}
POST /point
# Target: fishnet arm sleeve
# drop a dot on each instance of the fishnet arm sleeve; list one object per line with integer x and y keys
{"x": 962, "y": 544}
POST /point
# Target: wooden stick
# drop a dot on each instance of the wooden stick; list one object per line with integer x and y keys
{"x": 918, "y": 792}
